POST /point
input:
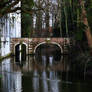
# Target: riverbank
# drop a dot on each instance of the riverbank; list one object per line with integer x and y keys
{"x": 6, "y": 56}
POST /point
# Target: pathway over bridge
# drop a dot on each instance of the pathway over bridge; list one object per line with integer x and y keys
{"x": 32, "y": 43}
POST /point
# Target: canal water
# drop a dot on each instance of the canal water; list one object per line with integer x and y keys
{"x": 41, "y": 74}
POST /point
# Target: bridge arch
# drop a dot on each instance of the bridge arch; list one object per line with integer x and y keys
{"x": 54, "y": 43}
{"x": 18, "y": 43}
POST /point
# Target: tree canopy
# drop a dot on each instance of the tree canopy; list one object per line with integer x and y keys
{"x": 70, "y": 19}
{"x": 10, "y": 6}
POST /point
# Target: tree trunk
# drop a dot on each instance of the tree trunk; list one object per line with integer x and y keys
{"x": 85, "y": 21}
{"x": 39, "y": 20}
{"x": 47, "y": 18}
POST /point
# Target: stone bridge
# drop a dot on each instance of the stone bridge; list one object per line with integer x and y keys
{"x": 32, "y": 43}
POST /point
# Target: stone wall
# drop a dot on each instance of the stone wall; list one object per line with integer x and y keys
{"x": 32, "y": 43}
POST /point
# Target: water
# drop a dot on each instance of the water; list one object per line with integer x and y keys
{"x": 46, "y": 75}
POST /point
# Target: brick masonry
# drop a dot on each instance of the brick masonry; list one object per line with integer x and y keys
{"x": 33, "y": 43}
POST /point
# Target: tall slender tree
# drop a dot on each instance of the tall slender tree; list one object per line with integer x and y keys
{"x": 85, "y": 21}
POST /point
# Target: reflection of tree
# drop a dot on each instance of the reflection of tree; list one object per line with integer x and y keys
{"x": 44, "y": 81}
{"x": 11, "y": 80}
{"x": 35, "y": 81}
{"x": 54, "y": 86}
{"x": 48, "y": 83}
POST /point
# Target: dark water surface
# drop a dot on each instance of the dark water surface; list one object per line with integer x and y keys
{"x": 41, "y": 75}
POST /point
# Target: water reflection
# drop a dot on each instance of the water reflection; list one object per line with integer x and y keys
{"x": 11, "y": 80}
{"x": 44, "y": 81}
{"x": 33, "y": 76}
{"x": 35, "y": 81}
{"x": 12, "y": 74}
{"x": 54, "y": 82}
{"x": 50, "y": 60}
{"x": 44, "y": 60}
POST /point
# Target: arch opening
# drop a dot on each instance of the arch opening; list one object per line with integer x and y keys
{"x": 17, "y": 54}
{"x": 20, "y": 52}
{"x": 48, "y": 51}
{"x": 53, "y": 43}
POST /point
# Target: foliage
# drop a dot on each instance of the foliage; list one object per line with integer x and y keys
{"x": 88, "y": 6}
{"x": 27, "y": 6}
{"x": 69, "y": 16}
{"x": 26, "y": 25}
{"x": 71, "y": 22}
{"x": 9, "y": 6}
{"x": 73, "y": 10}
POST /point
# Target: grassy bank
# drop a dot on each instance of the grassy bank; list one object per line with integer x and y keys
{"x": 3, "y": 57}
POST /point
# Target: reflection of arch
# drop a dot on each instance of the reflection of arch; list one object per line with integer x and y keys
{"x": 55, "y": 66}
{"x": 19, "y": 44}
{"x": 54, "y": 43}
